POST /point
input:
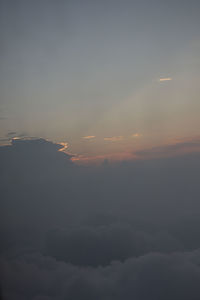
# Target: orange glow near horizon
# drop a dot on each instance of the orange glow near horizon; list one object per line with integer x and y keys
{"x": 88, "y": 137}
{"x": 173, "y": 147}
{"x": 99, "y": 159}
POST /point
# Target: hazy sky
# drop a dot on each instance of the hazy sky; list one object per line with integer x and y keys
{"x": 97, "y": 69}
{"x": 103, "y": 81}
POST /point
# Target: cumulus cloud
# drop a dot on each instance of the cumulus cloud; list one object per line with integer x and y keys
{"x": 149, "y": 277}
{"x": 99, "y": 246}
{"x": 103, "y": 244}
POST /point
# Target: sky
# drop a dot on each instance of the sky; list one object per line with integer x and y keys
{"x": 109, "y": 78}
{"x": 99, "y": 150}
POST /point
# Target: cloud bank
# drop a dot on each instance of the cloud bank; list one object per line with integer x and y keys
{"x": 128, "y": 230}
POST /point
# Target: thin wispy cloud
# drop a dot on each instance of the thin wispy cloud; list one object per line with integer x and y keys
{"x": 88, "y": 137}
{"x": 179, "y": 147}
{"x": 165, "y": 79}
{"x": 4, "y": 140}
{"x": 114, "y": 138}
{"x": 11, "y": 133}
{"x": 136, "y": 135}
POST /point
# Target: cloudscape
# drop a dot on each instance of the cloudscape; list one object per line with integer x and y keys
{"x": 100, "y": 150}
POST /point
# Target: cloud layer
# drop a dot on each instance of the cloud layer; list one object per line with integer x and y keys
{"x": 128, "y": 230}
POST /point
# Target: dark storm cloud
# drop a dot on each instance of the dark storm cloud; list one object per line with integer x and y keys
{"x": 33, "y": 155}
{"x": 35, "y": 176}
{"x": 111, "y": 232}
{"x": 32, "y": 173}
{"x": 38, "y": 180}
{"x": 31, "y": 161}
